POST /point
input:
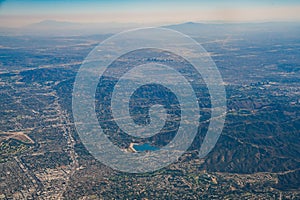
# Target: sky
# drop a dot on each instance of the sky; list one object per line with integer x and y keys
{"x": 17, "y": 13}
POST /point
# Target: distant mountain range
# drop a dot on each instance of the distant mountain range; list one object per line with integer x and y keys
{"x": 63, "y": 28}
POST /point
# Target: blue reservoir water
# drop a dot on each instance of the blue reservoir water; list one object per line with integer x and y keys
{"x": 145, "y": 147}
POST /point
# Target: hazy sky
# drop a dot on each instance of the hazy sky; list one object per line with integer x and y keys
{"x": 23, "y": 12}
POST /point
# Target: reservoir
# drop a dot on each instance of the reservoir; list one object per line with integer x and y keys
{"x": 145, "y": 147}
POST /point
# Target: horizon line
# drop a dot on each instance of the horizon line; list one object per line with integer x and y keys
{"x": 216, "y": 22}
